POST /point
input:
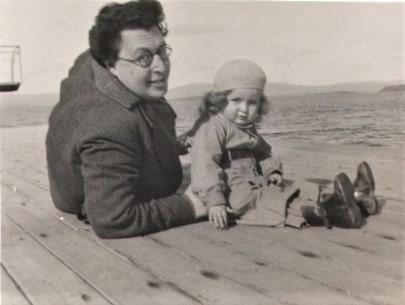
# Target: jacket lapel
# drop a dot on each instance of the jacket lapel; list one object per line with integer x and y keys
{"x": 164, "y": 142}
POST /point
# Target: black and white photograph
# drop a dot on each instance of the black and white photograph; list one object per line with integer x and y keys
{"x": 202, "y": 152}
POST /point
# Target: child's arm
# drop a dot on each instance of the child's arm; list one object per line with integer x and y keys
{"x": 183, "y": 143}
{"x": 207, "y": 176}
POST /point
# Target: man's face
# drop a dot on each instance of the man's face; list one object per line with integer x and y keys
{"x": 146, "y": 82}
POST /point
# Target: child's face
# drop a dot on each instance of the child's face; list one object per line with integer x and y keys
{"x": 243, "y": 106}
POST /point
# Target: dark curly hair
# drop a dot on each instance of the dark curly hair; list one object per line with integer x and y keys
{"x": 105, "y": 35}
{"x": 215, "y": 101}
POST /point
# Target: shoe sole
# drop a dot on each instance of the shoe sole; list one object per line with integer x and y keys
{"x": 371, "y": 206}
{"x": 365, "y": 170}
{"x": 350, "y": 213}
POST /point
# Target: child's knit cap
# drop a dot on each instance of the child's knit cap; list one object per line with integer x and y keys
{"x": 239, "y": 73}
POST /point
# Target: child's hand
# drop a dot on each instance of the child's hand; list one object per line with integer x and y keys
{"x": 275, "y": 178}
{"x": 183, "y": 144}
{"x": 217, "y": 215}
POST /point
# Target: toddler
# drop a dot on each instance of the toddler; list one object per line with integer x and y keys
{"x": 232, "y": 165}
{"x": 234, "y": 171}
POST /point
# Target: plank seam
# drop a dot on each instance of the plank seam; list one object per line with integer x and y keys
{"x": 108, "y": 299}
{"x": 16, "y": 284}
{"x": 99, "y": 243}
{"x": 25, "y": 179}
{"x": 248, "y": 254}
{"x": 150, "y": 273}
{"x": 251, "y": 286}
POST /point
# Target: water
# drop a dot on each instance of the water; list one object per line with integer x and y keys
{"x": 340, "y": 118}
{"x": 25, "y": 110}
{"x": 375, "y": 119}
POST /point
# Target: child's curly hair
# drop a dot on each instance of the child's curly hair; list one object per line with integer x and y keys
{"x": 215, "y": 101}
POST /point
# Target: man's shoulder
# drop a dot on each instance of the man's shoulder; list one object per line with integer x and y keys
{"x": 83, "y": 60}
{"x": 94, "y": 115}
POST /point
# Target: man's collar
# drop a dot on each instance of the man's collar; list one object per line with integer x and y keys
{"x": 111, "y": 86}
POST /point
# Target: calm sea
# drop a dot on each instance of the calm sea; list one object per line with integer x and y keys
{"x": 375, "y": 119}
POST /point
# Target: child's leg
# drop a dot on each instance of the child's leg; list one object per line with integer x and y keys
{"x": 266, "y": 205}
{"x": 275, "y": 206}
{"x": 284, "y": 202}
{"x": 244, "y": 193}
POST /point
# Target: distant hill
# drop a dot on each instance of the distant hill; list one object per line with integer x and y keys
{"x": 393, "y": 88}
{"x": 199, "y": 89}
{"x": 191, "y": 90}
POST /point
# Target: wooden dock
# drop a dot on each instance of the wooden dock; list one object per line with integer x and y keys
{"x": 49, "y": 257}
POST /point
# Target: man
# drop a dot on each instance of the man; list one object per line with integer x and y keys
{"x": 111, "y": 147}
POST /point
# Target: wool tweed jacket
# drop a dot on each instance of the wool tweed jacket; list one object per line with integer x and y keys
{"x": 114, "y": 153}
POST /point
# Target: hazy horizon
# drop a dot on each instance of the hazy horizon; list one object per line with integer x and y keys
{"x": 279, "y": 88}
{"x": 299, "y": 43}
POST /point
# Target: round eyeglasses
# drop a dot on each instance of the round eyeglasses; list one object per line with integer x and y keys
{"x": 145, "y": 57}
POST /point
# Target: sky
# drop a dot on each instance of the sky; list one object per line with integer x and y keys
{"x": 309, "y": 43}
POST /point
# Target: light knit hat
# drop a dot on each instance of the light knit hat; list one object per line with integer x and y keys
{"x": 239, "y": 73}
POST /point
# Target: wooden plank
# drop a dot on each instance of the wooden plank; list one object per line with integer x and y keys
{"x": 34, "y": 160}
{"x": 342, "y": 240}
{"x": 383, "y": 245}
{"x": 43, "y": 278}
{"x": 170, "y": 266}
{"x": 12, "y": 178}
{"x": 254, "y": 269}
{"x": 188, "y": 273}
{"x": 194, "y": 274}
{"x": 11, "y": 294}
{"x": 186, "y": 270}
{"x": 117, "y": 279}
{"x": 262, "y": 267}
{"x": 348, "y": 270}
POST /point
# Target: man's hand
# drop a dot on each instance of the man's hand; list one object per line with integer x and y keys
{"x": 275, "y": 179}
{"x": 217, "y": 215}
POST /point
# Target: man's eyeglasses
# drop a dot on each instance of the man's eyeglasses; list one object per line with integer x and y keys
{"x": 145, "y": 58}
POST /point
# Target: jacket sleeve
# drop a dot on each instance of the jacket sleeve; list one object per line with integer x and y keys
{"x": 207, "y": 176}
{"x": 111, "y": 172}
